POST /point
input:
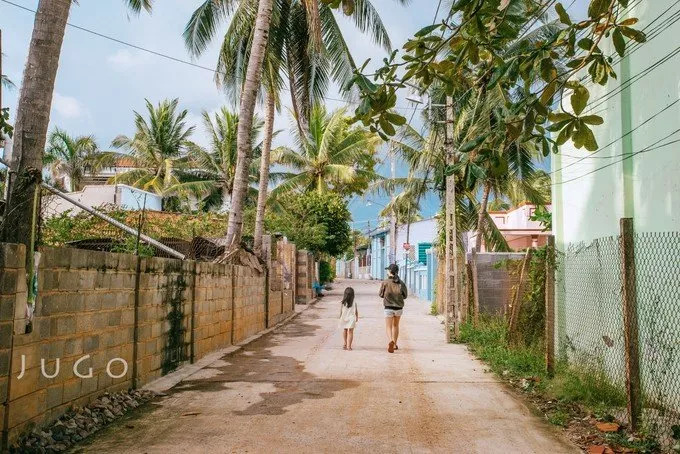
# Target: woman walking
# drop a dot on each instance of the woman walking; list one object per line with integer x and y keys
{"x": 393, "y": 292}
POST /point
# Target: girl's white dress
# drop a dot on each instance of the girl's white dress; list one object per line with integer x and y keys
{"x": 348, "y": 316}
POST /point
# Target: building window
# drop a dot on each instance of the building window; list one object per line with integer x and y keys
{"x": 499, "y": 220}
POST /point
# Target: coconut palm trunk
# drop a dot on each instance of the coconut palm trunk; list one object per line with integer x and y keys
{"x": 33, "y": 117}
{"x": 481, "y": 216}
{"x": 245, "y": 124}
{"x": 226, "y": 199}
{"x": 264, "y": 171}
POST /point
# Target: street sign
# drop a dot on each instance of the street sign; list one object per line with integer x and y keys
{"x": 407, "y": 246}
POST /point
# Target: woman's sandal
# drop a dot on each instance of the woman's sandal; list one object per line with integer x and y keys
{"x": 390, "y": 347}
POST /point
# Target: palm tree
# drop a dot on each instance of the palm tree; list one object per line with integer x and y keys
{"x": 74, "y": 156}
{"x": 217, "y": 164}
{"x": 5, "y": 126}
{"x": 426, "y": 159}
{"x": 298, "y": 28}
{"x": 159, "y": 150}
{"x": 497, "y": 172}
{"x": 305, "y": 40}
{"x": 6, "y": 81}
{"x": 33, "y": 111}
{"x": 334, "y": 155}
{"x": 231, "y": 74}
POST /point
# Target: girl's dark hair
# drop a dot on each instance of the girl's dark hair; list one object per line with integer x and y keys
{"x": 348, "y": 298}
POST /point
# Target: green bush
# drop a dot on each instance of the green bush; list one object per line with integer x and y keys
{"x": 326, "y": 272}
{"x": 317, "y": 222}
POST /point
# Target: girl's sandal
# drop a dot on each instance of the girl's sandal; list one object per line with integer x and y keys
{"x": 344, "y": 347}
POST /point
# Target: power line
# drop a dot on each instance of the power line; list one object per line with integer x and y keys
{"x": 633, "y": 79}
{"x": 651, "y": 147}
{"x": 166, "y": 56}
{"x": 620, "y": 138}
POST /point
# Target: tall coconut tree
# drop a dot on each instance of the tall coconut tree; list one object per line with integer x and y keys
{"x": 159, "y": 150}
{"x": 246, "y": 112}
{"x": 217, "y": 163}
{"x": 304, "y": 34}
{"x": 334, "y": 155}
{"x": 73, "y": 157}
{"x": 230, "y": 75}
{"x": 33, "y": 112}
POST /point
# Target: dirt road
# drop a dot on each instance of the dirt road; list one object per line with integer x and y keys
{"x": 297, "y": 390}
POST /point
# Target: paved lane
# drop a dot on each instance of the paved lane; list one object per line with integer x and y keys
{"x": 297, "y": 390}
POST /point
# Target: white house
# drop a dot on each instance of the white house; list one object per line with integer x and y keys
{"x": 93, "y": 196}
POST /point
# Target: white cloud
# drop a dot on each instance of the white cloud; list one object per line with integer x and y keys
{"x": 123, "y": 60}
{"x": 67, "y": 106}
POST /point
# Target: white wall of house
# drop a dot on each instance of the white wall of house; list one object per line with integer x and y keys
{"x": 123, "y": 196}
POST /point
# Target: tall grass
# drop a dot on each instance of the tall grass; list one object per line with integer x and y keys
{"x": 588, "y": 387}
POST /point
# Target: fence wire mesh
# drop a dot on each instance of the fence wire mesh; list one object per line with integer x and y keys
{"x": 657, "y": 272}
{"x": 590, "y": 324}
{"x": 196, "y": 236}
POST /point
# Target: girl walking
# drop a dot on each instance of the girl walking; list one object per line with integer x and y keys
{"x": 349, "y": 315}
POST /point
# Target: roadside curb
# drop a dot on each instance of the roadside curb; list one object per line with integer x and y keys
{"x": 162, "y": 384}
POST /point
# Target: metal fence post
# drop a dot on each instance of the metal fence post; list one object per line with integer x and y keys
{"x": 519, "y": 293}
{"x": 192, "y": 335}
{"x": 475, "y": 288}
{"x": 135, "y": 332}
{"x": 550, "y": 306}
{"x": 630, "y": 323}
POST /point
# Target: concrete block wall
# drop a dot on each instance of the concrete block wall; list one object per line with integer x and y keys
{"x": 154, "y": 314}
{"x": 164, "y": 309}
{"x": 213, "y": 298}
{"x": 249, "y": 303}
{"x": 84, "y": 318}
{"x": 12, "y": 295}
{"x": 305, "y": 276}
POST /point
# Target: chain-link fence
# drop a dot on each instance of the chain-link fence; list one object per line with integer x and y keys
{"x": 591, "y": 333}
{"x": 657, "y": 266}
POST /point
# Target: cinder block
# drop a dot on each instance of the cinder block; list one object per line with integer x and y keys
{"x": 114, "y": 318}
{"x": 12, "y": 255}
{"x": 89, "y": 385}
{"x": 72, "y": 389}
{"x": 4, "y": 364}
{"x": 29, "y": 381}
{"x": 56, "y": 257}
{"x": 26, "y": 408}
{"x": 55, "y": 396}
{"x": 66, "y": 325}
{"x": 90, "y": 344}
{"x": 92, "y": 302}
{"x": 8, "y": 281}
{"x": 73, "y": 346}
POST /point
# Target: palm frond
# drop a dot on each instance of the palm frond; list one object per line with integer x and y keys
{"x": 203, "y": 24}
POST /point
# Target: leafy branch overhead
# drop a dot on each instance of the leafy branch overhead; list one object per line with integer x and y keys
{"x": 486, "y": 45}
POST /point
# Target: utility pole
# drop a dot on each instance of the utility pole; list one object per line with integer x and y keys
{"x": 451, "y": 283}
{"x": 355, "y": 270}
{"x": 1, "y": 76}
{"x": 393, "y": 214}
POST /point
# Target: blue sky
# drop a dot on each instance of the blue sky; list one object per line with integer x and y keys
{"x": 101, "y": 82}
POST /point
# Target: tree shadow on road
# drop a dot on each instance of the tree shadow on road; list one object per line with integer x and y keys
{"x": 256, "y": 363}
